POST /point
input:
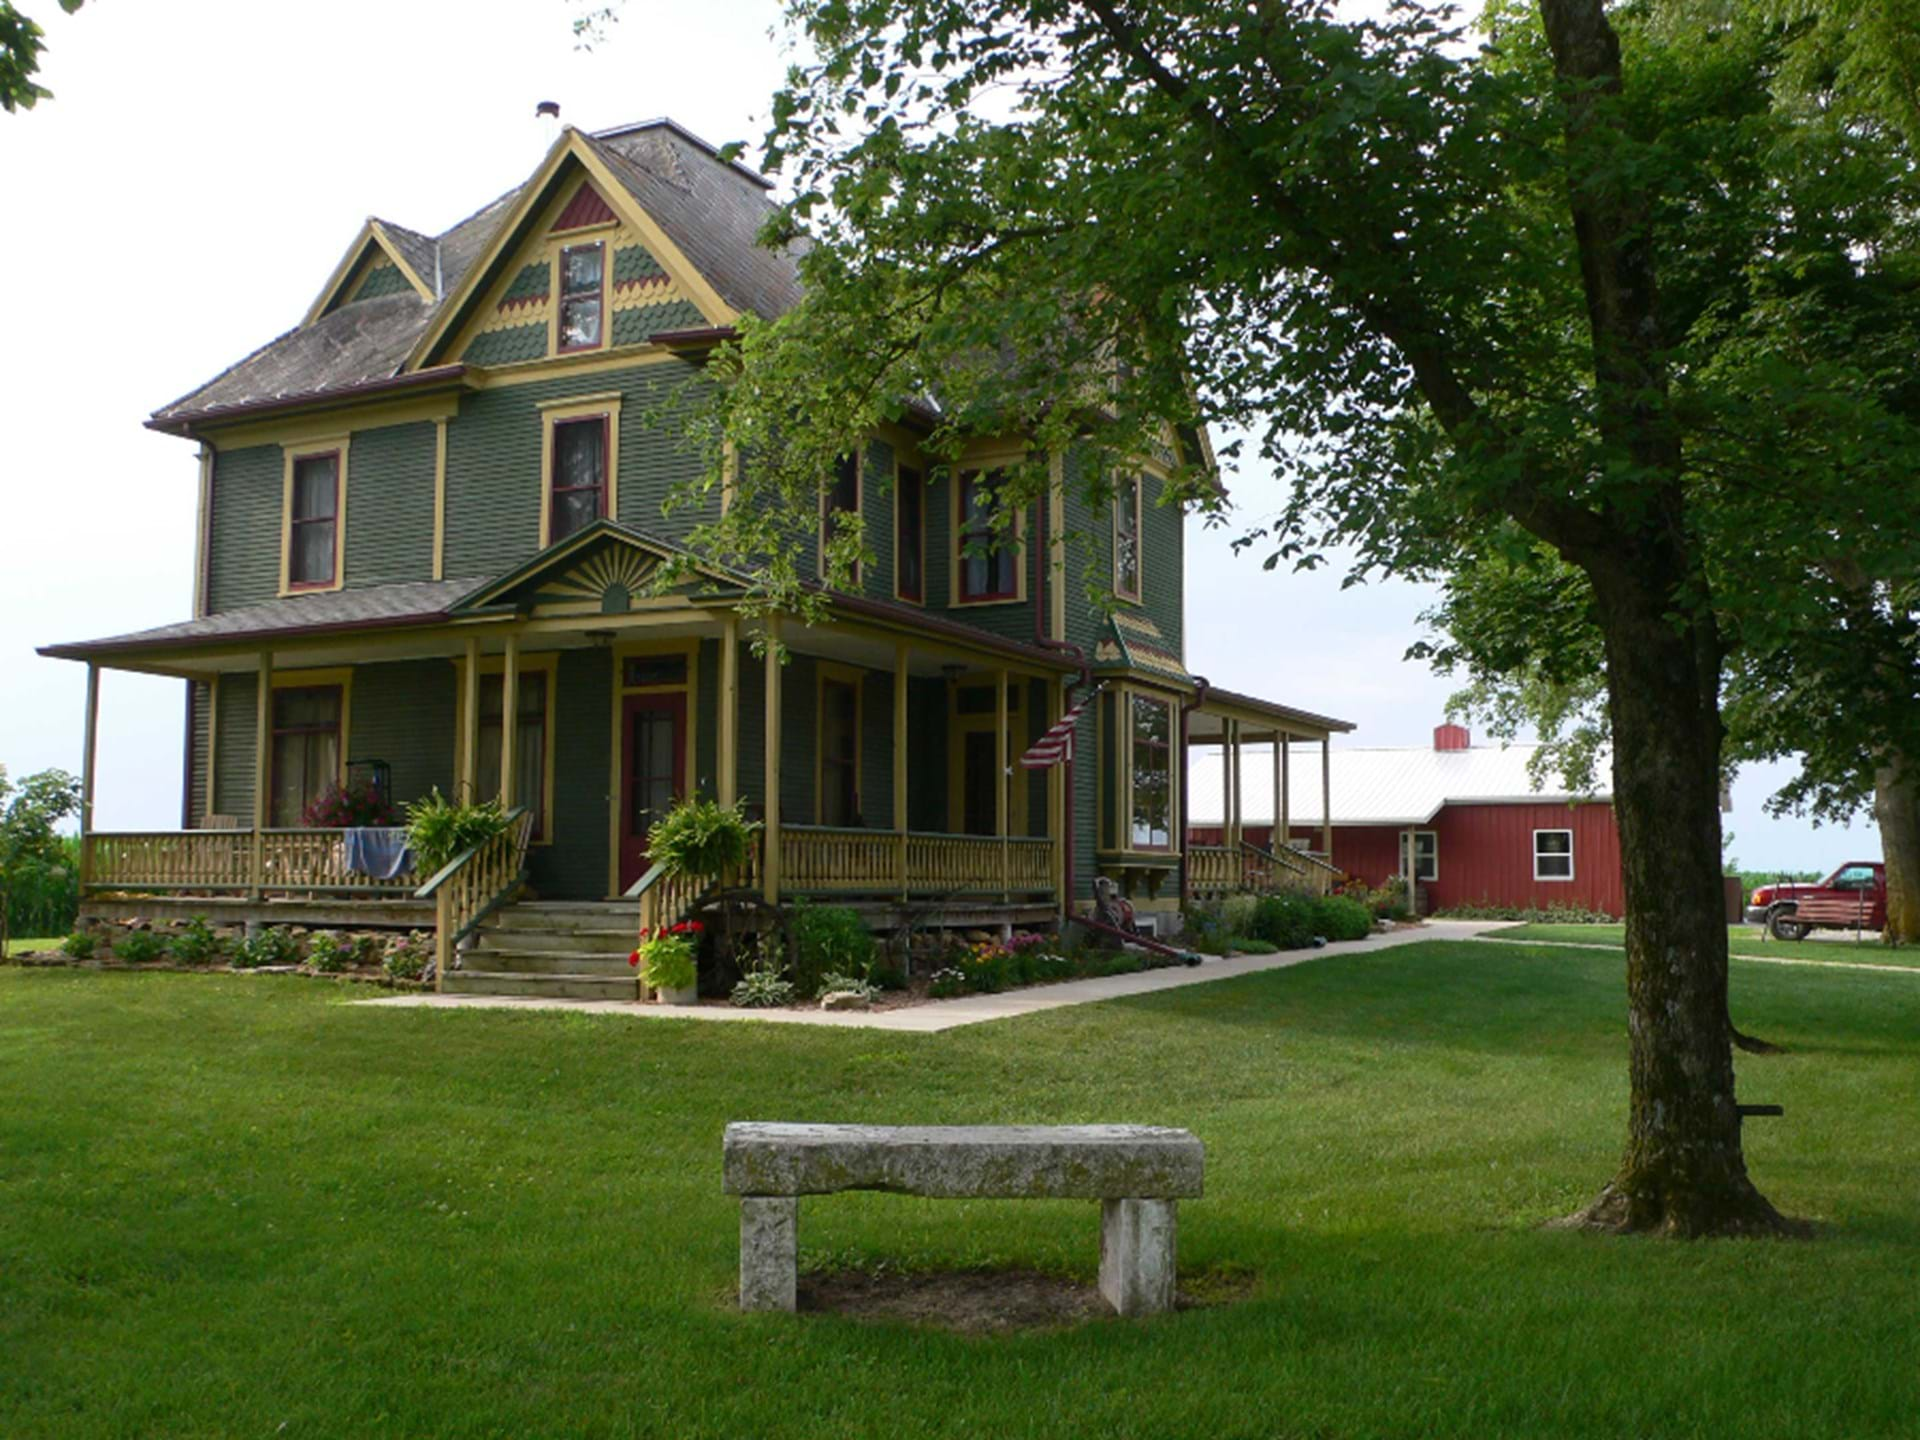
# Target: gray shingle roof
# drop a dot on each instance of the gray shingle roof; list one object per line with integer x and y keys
{"x": 370, "y": 607}
{"x": 711, "y": 210}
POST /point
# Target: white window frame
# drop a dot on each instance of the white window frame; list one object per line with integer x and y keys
{"x": 1553, "y": 879}
{"x": 1413, "y": 856}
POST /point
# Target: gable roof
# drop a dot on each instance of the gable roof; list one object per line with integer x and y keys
{"x": 557, "y": 571}
{"x": 707, "y": 210}
{"x": 1406, "y": 785}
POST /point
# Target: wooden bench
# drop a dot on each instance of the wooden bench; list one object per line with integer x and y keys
{"x": 1136, "y": 1172}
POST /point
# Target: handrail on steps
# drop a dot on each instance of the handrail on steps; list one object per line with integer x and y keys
{"x": 474, "y": 884}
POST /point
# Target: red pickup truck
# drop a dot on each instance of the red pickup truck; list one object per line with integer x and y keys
{"x": 1854, "y": 897}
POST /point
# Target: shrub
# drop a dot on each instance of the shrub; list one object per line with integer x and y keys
{"x": 269, "y": 945}
{"x": 329, "y": 952}
{"x": 407, "y": 955}
{"x": 1534, "y": 914}
{"x": 1340, "y": 917}
{"x": 988, "y": 967}
{"x": 1236, "y": 913}
{"x": 666, "y": 958}
{"x": 196, "y": 944}
{"x": 829, "y": 940}
{"x": 139, "y": 947}
{"x": 79, "y": 945}
{"x": 1284, "y": 921}
{"x": 438, "y": 830}
{"x": 763, "y": 989}
{"x": 701, "y": 837}
{"x": 887, "y": 975}
{"x": 342, "y": 807}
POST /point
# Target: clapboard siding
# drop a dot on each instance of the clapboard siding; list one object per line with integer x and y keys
{"x": 243, "y": 552}
{"x": 390, "y": 505}
{"x": 403, "y": 713}
{"x": 199, "y": 755}
{"x": 233, "y": 748}
{"x": 574, "y": 865}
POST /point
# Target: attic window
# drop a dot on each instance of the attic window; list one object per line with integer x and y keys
{"x": 582, "y": 292}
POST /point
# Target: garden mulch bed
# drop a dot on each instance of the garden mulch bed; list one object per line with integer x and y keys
{"x": 358, "y": 975}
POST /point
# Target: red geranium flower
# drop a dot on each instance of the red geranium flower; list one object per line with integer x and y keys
{"x": 634, "y": 958}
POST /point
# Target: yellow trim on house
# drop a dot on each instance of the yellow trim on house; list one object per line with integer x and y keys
{"x": 533, "y": 195}
{"x": 341, "y": 676}
{"x": 306, "y": 428}
{"x": 621, "y": 652}
{"x": 606, "y": 405}
{"x": 1057, "y": 544}
{"x": 336, "y": 445}
{"x": 370, "y": 233}
{"x": 825, "y": 670}
{"x": 201, "y": 531}
{"x": 926, "y": 492}
{"x": 1122, "y": 753}
{"x": 440, "y": 499}
{"x": 545, "y": 663}
{"x": 421, "y": 285}
{"x": 955, "y": 557}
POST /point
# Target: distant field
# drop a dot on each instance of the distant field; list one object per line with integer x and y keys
{"x": 1741, "y": 940}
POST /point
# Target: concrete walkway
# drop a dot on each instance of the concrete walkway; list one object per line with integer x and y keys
{"x": 937, "y": 1015}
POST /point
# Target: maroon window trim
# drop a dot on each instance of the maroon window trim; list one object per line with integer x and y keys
{"x": 331, "y": 520}
{"x": 598, "y": 488}
{"x": 910, "y": 535}
{"x": 595, "y": 294}
{"x": 979, "y": 543}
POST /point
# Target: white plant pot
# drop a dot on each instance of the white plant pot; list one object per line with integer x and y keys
{"x": 690, "y": 995}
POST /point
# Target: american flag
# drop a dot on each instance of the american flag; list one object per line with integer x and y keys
{"x": 1057, "y": 744}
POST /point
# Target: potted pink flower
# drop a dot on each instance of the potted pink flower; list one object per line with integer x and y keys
{"x": 666, "y": 961}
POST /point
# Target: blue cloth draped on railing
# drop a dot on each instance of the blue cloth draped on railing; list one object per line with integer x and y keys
{"x": 380, "y": 852}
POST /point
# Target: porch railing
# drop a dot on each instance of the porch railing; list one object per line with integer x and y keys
{"x": 667, "y": 898}
{"x": 1217, "y": 870}
{"x": 222, "y": 860}
{"x": 824, "y": 860}
{"x": 474, "y": 884}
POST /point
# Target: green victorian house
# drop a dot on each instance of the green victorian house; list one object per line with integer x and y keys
{"x": 428, "y": 518}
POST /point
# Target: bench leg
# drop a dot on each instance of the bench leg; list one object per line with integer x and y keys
{"x": 769, "y": 1251}
{"x": 1137, "y": 1255}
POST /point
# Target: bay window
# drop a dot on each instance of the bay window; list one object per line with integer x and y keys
{"x": 1152, "y": 763}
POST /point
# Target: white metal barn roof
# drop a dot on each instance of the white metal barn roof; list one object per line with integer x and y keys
{"x": 1405, "y": 785}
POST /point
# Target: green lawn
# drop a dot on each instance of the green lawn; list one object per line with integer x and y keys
{"x": 1741, "y": 940}
{"x": 244, "y": 1206}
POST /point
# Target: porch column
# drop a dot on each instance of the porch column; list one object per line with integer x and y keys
{"x": 1057, "y": 800}
{"x": 900, "y": 679}
{"x": 1239, "y": 809}
{"x": 770, "y": 860}
{"x": 1226, "y": 783}
{"x": 89, "y": 744}
{"x": 728, "y": 780}
{"x": 1285, "y": 783}
{"x": 262, "y": 767}
{"x": 470, "y": 723}
{"x": 1277, "y": 837}
{"x": 510, "y": 721}
{"x": 1326, "y": 797}
{"x": 1000, "y": 770}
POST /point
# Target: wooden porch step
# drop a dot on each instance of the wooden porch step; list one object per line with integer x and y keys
{"x": 583, "y": 942}
{"x": 530, "y": 960}
{"x": 545, "y": 987}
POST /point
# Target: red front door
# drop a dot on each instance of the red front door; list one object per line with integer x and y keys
{"x": 653, "y": 734}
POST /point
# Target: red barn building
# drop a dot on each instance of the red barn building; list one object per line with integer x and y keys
{"x": 1464, "y": 820}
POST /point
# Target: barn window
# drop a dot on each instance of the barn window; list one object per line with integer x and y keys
{"x": 1553, "y": 854}
{"x": 1426, "y": 855}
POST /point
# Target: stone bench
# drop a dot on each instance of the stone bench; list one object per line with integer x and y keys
{"x": 1136, "y": 1172}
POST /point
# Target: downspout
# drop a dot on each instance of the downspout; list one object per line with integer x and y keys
{"x": 1083, "y": 680}
{"x": 1187, "y": 707}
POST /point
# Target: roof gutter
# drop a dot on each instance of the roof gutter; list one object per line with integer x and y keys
{"x": 185, "y": 423}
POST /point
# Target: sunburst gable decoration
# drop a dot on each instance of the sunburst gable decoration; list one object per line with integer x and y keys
{"x": 612, "y": 576}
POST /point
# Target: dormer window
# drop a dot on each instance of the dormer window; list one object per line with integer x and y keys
{"x": 582, "y": 296}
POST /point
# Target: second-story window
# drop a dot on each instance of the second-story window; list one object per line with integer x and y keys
{"x": 1152, "y": 774}
{"x": 842, "y": 498}
{"x": 582, "y": 291}
{"x": 989, "y": 559}
{"x": 910, "y": 536}
{"x": 579, "y": 476}
{"x": 313, "y": 524}
{"x": 1126, "y": 539}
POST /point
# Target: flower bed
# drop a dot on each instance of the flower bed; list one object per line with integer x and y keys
{"x": 397, "y": 961}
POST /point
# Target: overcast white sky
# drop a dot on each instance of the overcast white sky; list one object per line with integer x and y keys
{"x": 194, "y": 181}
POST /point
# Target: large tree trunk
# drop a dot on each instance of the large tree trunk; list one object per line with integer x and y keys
{"x": 1683, "y": 1172}
{"x": 1896, "y": 805}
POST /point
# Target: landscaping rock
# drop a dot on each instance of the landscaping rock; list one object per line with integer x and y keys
{"x": 845, "y": 1000}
